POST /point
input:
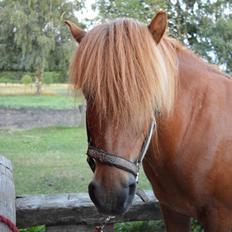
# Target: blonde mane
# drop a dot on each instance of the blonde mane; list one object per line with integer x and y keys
{"x": 123, "y": 73}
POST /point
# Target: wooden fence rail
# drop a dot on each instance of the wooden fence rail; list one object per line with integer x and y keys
{"x": 71, "y": 212}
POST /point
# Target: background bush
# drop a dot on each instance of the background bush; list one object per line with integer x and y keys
{"x": 26, "y": 79}
{"x": 10, "y": 77}
{"x": 48, "y": 78}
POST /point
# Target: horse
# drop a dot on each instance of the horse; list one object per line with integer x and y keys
{"x": 145, "y": 89}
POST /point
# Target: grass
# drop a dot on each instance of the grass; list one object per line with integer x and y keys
{"x": 49, "y": 160}
{"x": 55, "y": 102}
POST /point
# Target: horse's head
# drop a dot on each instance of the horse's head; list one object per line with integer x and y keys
{"x": 115, "y": 154}
{"x": 118, "y": 66}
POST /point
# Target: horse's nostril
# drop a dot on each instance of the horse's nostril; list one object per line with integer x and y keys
{"x": 92, "y": 188}
{"x": 132, "y": 187}
{"x": 93, "y": 193}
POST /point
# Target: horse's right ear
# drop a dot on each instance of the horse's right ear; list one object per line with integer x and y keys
{"x": 76, "y": 32}
{"x": 158, "y": 26}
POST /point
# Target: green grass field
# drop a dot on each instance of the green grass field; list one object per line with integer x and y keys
{"x": 55, "y": 102}
{"x": 49, "y": 160}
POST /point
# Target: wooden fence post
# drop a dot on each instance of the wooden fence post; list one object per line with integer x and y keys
{"x": 7, "y": 192}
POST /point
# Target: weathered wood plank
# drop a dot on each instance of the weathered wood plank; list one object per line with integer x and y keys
{"x": 74, "y": 209}
{"x": 7, "y": 192}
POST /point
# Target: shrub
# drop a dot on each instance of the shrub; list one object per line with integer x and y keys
{"x": 51, "y": 77}
{"x": 63, "y": 77}
{"x": 4, "y": 80}
{"x": 48, "y": 80}
{"x": 26, "y": 79}
{"x": 12, "y": 76}
{"x": 8, "y": 77}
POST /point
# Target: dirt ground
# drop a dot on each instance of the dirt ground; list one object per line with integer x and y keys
{"x": 27, "y": 118}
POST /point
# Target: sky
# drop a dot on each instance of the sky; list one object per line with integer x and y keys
{"x": 87, "y": 13}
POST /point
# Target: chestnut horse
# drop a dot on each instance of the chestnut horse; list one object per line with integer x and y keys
{"x": 131, "y": 75}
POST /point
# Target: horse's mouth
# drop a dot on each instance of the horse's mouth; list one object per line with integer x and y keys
{"x": 111, "y": 204}
{"x": 112, "y": 208}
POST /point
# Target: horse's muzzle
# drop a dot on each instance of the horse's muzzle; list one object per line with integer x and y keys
{"x": 112, "y": 202}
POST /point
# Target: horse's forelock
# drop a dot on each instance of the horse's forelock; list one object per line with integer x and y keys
{"x": 127, "y": 76}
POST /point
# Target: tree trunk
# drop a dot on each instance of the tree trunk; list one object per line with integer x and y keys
{"x": 38, "y": 81}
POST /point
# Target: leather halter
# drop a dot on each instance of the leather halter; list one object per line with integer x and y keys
{"x": 110, "y": 159}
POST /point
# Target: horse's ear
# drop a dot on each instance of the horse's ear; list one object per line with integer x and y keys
{"x": 76, "y": 32}
{"x": 158, "y": 26}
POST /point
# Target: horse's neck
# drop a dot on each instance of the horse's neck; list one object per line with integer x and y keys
{"x": 197, "y": 82}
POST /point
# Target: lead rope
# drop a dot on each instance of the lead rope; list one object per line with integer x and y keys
{"x": 139, "y": 192}
{"x": 101, "y": 227}
{"x": 9, "y": 223}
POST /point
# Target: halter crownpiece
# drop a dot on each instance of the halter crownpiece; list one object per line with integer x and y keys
{"x": 110, "y": 159}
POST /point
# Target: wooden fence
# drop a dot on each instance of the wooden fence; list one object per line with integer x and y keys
{"x": 75, "y": 212}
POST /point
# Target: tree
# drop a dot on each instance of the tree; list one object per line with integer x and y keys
{"x": 204, "y": 26}
{"x": 33, "y": 35}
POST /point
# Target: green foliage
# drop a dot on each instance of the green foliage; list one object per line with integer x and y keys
{"x": 51, "y": 77}
{"x": 56, "y": 76}
{"x": 151, "y": 226}
{"x": 63, "y": 76}
{"x": 10, "y": 77}
{"x": 26, "y": 79}
{"x": 141, "y": 10}
{"x": 196, "y": 227}
{"x": 16, "y": 76}
{"x": 148, "y": 226}
{"x": 34, "y": 229}
{"x": 33, "y": 36}
{"x": 5, "y": 80}
{"x": 48, "y": 80}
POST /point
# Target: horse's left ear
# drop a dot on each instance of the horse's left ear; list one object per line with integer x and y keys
{"x": 76, "y": 32}
{"x": 158, "y": 26}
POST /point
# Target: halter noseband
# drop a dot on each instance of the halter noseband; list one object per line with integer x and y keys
{"x": 110, "y": 159}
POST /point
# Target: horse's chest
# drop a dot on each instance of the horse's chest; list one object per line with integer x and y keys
{"x": 171, "y": 189}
